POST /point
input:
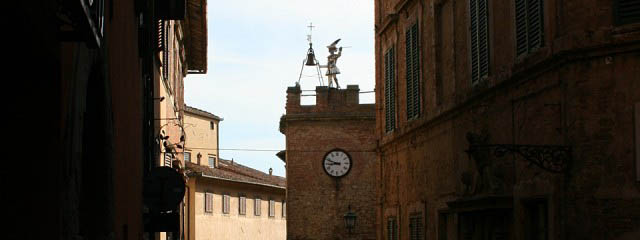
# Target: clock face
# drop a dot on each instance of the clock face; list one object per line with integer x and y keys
{"x": 336, "y": 163}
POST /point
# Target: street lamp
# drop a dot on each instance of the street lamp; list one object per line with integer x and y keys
{"x": 350, "y": 220}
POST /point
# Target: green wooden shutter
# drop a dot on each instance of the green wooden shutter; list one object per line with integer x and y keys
{"x": 413, "y": 71}
{"x": 479, "y": 31}
{"x": 389, "y": 90}
{"x": 529, "y": 25}
{"x": 627, "y": 11}
{"x": 521, "y": 27}
{"x": 534, "y": 11}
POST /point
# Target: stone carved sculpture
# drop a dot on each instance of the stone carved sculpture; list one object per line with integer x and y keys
{"x": 488, "y": 178}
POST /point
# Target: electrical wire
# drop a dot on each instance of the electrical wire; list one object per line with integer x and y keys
{"x": 264, "y": 150}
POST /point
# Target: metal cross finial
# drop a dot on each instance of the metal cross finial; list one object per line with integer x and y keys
{"x": 310, "y": 30}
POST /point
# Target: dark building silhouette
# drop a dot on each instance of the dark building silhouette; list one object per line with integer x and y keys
{"x": 508, "y": 119}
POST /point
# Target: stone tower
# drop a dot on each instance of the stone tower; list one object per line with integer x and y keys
{"x": 316, "y": 201}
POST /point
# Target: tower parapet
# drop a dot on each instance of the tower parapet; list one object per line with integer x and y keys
{"x": 328, "y": 100}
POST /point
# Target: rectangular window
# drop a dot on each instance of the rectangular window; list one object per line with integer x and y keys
{"x": 272, "y": 208}
{"x": 212, "y": 161}
{"x": 479, "y": 32}
{"x": 225, "y": 203}
{"x": 416, "y": 229}
{"x": 390, "y": 90}
{"x": 535, "y": 224}
{"x": 213, "y": 125}
{"x": 284, "y": 209}
{"x": 242, "y": 205}
{"x": 626, "y": 11}
{"x": 637, "y": 141}
{"x": 187, "y": 157}
{"x": 257, "y": 207}
{"x": 392, "y": 229}
{"x": 413, "y": 71}
{"x": 529, "y": 26}
{"x": 208, "y": 202}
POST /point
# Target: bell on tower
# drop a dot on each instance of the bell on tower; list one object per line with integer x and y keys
{"x": 311, "y": 60}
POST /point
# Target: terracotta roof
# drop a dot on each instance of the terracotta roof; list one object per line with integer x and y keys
{"x": 228, "y": 170}
{"x": 201, "y": 112}
{"x": 196, "y": 36}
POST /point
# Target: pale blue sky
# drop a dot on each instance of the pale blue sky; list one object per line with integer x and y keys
{"x": 255, "y": 52}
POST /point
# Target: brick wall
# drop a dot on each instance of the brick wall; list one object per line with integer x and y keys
{"x": 316, "y": 202}
{"x": 577, "y": 90}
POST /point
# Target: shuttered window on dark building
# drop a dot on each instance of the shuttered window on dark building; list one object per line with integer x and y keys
{"x": 479, "y": 31}
{"x": 626, "y": 11}
{"x": 392, "y": 229}
{"x": 390, "y": 90}
{"x": 529, "y": 25}
{"x": 413, "y": 71}
{"x": 162, "y": 46}
{"x": 416, "y": 228}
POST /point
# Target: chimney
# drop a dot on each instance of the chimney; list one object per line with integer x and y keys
{"x": 270, "y": 171}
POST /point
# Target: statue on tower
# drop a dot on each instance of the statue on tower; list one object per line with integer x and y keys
{"x": 332, "y": 59}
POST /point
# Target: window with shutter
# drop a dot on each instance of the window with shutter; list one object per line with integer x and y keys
{"x": 390, "y": 90}
{"x": 529, "y": 25}
{"x": 168, "y": 158}
{"x": 284, "y": 209}
{"x": 242, "y": 205}
{"x": 626, "y": 11}
{"x": 272, "y": 208}
{"x": 412, "y": 65}
{"x": 208, "y": 202}
{"x": 225, "y": 203}
{"x": 257, "y": 207}
{"x": 392, "y": 229}
{"x": 416, "y": 229}
{"x": 479, "y": 32}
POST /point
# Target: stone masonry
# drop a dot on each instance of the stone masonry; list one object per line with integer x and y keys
{"x": 317, "y": 202}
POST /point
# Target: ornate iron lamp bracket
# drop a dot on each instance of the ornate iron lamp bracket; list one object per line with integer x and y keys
{"x": 553, "y": 158}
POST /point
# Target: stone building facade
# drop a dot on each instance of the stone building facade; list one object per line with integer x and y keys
{"x": 316, "y": 201}
{"x": 224, "y": 199}
{"x": 507, "y": 120}
{"x": 232, "y": 201}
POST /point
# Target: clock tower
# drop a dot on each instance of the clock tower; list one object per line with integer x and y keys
{"x": 331, "y": 164}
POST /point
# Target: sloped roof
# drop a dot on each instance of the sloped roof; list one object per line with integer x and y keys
{"x": 228, "y": 170}
{"x": 201, "y": 112}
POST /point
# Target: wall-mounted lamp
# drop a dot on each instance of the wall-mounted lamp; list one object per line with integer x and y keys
{"x": 350, "y": 220}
